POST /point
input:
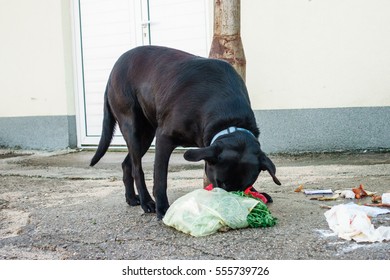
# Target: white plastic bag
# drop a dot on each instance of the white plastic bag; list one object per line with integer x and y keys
{"x": 203, "y": 212}
{"x": 351, "y": 221}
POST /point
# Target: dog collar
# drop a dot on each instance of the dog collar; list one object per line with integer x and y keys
{"x": 228, "y": 131}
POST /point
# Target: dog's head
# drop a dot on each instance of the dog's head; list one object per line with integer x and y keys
{"x": 233, "y": 162}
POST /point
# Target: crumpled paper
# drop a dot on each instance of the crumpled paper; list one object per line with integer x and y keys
{"x": 351, "y": 222}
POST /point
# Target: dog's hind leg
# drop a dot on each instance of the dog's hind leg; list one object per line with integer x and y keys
{"x": 131, "y": 197}
{"x": 138, "y": 136}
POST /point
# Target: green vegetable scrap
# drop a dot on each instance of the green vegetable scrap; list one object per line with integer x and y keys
{"x": 259, "y": 216}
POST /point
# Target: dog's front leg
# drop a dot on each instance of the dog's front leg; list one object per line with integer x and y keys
{"x": 164, "y": 148}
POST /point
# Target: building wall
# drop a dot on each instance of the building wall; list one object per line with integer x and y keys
{"x": 37, "y": 108}
{"x": 317, "y": 54}
{"x": 317, "y": 73}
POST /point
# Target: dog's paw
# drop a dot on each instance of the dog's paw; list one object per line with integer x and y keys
{"x": 149, "y": 207}
{"x": 133, "y": 201}
{"x": 161, "y": 212}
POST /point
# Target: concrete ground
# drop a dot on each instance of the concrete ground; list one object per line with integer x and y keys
{"x": 54, "y": 206}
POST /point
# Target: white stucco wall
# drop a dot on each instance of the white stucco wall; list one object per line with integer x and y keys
{"x": 317, "y": 53}
{"x": 36, "y": 75}
{"x": 300, "y": 54}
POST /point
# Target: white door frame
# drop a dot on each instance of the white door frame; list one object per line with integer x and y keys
{"x": 137, "y": 8}
{"x": 83, "y": 139}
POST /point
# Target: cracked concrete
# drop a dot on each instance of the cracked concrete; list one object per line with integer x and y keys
{"x": 54, "y": 206}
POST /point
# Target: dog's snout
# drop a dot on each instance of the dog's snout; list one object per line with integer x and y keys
{"x": 220, "y": 184}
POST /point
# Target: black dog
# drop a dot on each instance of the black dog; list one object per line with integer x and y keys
{"x": 182, "y": 100}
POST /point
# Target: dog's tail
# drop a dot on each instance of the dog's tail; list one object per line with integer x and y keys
{"x": 107, "y": 131}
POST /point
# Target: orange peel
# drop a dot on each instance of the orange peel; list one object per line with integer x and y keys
{"x": 359, "y": 192}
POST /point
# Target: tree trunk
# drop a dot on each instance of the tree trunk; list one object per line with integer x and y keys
{"x": 227, "y": 44}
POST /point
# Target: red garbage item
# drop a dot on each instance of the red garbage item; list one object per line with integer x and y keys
{"x": 249, "y": 191}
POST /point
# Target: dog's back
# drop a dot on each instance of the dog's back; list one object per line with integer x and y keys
{"x": 182, "y": 92}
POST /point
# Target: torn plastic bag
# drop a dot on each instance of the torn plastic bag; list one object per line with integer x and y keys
{"x": 351, "y": 221}
{"x": 202, "y": 212}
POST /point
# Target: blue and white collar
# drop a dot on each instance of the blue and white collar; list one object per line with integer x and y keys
{"x": 228, "y": 131}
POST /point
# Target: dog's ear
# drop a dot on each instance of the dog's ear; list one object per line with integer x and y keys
{"x": 209, "y": 154}
{"x": 267, "y": 165}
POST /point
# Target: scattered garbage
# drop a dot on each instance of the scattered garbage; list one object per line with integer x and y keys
{"x": 349, "y": 194}
{"x": 203, "y": 212}
{"x": 299, "y": 189}
{"x": 376, "y": 199}
{"x": 318, "y": 192}
{"x": 250, "y": 192}
{"x": 386, "y": 198}
{"x": 380, "y": 200}
{"x": 328, "y": 194}
{"x": 322, "y": 195}
{"x": 325, "y": 198}
{"x": 352, "y": 222}
{"x": 359, "y": 192}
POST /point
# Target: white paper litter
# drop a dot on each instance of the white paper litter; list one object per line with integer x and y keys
{"x": 386, "y": 198}
{"x": 316, "y": 192}
{"x": 347, "y": 194}
{"x": 351, "y": 221}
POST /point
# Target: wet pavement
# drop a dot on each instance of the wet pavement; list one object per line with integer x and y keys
{"x": 54, "y": 206}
